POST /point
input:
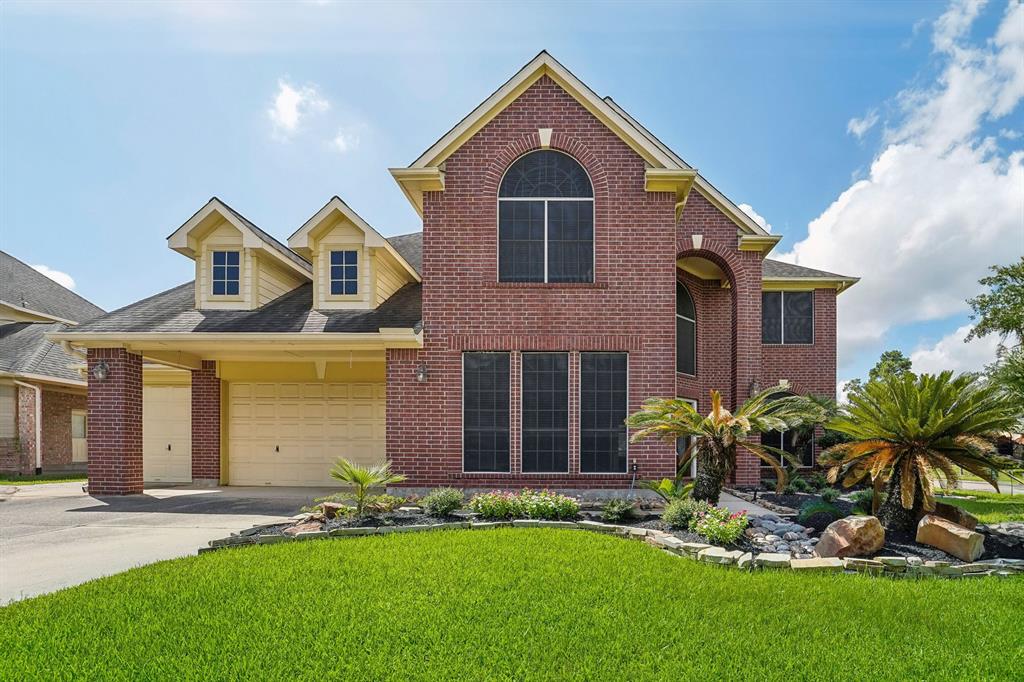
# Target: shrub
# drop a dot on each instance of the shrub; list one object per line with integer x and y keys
{"x": 497, "y": 505}
{"x": 364, "y": 478}
{"x": 617, "y": 510}
{"x": 829, "y": 495}
{"x": 818, "y": 481}
{"x": 680, "y": 513}
{"x": 549, "y": 506}
{"x": 441, "y": 502}
{"x": 818, "y": 514}
{"x": 800, "y": 485}
{"x": 720, "y": 526}
{"x": 382, "y": 504}
{"x": 862, "y": 501}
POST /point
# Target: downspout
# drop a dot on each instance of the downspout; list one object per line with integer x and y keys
{"x": 39, "y": 423}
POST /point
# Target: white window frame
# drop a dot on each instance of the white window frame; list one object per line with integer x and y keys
{"x": 693, "y": 462}
{"x": 782, "y": 318}
{"x": 225, "y": 296}
{"x": 330, "y": 280}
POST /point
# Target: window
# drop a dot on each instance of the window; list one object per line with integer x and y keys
{"x": 686, "y": 332}
{"x": 545, "y": 412}
{"x": 225, "y": 273}
{"x": 683, "y": 444}
{"x": 546, "y": 220}
{"x": 787, "y": 317}
{"x": 485, "y": 412}
{"x": 603, "y": 394}
{"x": 793, "y": 441}
{"x": 344, "y": 273}
{"x": 78, "y": 424}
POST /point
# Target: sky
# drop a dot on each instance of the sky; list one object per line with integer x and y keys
{"x": 881, "y": 140}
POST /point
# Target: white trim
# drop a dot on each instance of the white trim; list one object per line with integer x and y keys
{"x": 568, "y": 415}
{"x": 693, "y": 462}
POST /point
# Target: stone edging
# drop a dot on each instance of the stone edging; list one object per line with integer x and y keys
{"x": 893, "y": 566}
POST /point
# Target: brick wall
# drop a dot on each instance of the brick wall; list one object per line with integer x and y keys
{"x": 115, "y": 423}
{"x": 57, "y": 407}
{"x": 206, "y": 422}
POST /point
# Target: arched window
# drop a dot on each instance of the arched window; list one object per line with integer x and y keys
{"x": 546, "y": 220}
{"x": 686, "y": 332}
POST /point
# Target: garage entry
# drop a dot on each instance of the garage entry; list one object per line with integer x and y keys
{"x": 292, "y": 433}
{"x": 167, "y": 434}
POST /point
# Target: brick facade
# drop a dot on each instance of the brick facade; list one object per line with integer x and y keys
{"x": 206, "y": 423}
{"x": 18, "y": 455}
{"x": 115, "y": 423}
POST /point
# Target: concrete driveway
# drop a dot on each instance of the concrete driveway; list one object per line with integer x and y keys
{"x": 54, "y": 535}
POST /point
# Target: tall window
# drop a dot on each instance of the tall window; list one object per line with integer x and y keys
{"x": 344, "y": 273}
{"x": 545, "y": 411}
{"x": 225, "y": 273}
{"x": 546, "y": 220}
{"x": 683, "y": 444}
{"x": 603, "y": 395}
{"x": 686, "y": 332}
{"x": 787, "y": 317}
{"x": 485, "y": 411}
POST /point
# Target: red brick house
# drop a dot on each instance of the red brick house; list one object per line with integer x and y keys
{"x": 570, "y": 266}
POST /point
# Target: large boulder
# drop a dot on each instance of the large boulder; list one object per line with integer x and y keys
{"x": 952, "y": 539}
{"x": 951, "y": 512}
{"x": 852, "y": 536}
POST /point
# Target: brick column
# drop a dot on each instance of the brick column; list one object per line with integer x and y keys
{"x": 747, "y": 328}
{"x": 206, "y": 424}
{"x": 115, "y": 423}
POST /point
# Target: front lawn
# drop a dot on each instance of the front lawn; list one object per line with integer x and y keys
{"x": 42, "y": 478}
{"x": 505, "y": 604}
{"x": 989, "y": 507}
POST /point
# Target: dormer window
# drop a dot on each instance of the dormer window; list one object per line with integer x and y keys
{"x": 225, "y": 273}
{"x": 344, "y": 273}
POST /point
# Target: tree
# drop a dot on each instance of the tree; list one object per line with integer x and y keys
{"x": 1000, "y": 310}
{"x": 1007, "y": 372}
{"x": 890, "y": 363}
{"x": 363, "y": 479}
{"x": 717, "y": 436}
{"x": 907, "y": 431}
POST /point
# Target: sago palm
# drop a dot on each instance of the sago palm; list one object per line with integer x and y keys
{"x": 908, "y": 431}
{"x": 363, "y": 479}
{"x": 717, "y": 436}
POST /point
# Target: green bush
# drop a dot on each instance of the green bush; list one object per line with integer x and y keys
{"x": 829, "y": 495}
{"x": 818, "y": 481}
{"x": 720, "y": 526}
{"x": 441, "y": 502}
{"x": 382, "y": 504}
{"x": 862, "y": 501}
{"x": 815, "y": 513}
{"x": 800, "y": 485}
{"x": 617, "y": 510}
{"x": 680, "y": 513}
{"x": 529, "y": 504}
{"x": 497, "y": 505}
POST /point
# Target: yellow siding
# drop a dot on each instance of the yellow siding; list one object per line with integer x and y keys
{"x": 273, "y": 281}
{"x": 388, "y": 277}
{"x": 305, "y": 372}
{"x": 342, "y": 235}
{"x": 224, "y": 237}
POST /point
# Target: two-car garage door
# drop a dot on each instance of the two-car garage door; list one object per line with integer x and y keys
{"x": 292, "y": 433}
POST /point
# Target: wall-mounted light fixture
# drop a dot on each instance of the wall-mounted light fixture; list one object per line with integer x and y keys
{"x": 421, "y": 373}
{"x": 755, "y": 387}
{"x": 100, "y": 371}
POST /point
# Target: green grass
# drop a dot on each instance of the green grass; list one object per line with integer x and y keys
{"x": 508, "y": 604}
{"x": 990, "y": 507}
{"x": 42, "y": 478}
{"x": 1003, "y": 476}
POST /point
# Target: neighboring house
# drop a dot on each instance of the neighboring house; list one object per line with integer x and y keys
{"x": 570, "y": 266}
{"x": 42, "y": 398}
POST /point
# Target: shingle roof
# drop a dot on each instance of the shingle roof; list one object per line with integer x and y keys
{"x": 24, "y": 287}
{"x": 24, "y": 349}
{"x": 270, "y": 239}
{"x": 777, "y": 269}
{"x": 410, "y": 246}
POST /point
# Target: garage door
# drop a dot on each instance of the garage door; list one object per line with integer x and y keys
{"x": 292, "y": 433}
{"x": 167, "y": 434}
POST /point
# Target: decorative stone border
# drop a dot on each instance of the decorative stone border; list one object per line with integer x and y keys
{"x": 888, "y": 566}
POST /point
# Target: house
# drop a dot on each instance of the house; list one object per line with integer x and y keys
{"x": 42, "y": 398}
{"x": 570, "y": 266}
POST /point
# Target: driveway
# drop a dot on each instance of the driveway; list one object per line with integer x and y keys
{"x": 54, "y": 535}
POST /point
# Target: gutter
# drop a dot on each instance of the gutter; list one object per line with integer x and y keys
{"x": 39, "y": 423}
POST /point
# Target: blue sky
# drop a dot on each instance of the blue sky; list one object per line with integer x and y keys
{"x": 120, "y": 120}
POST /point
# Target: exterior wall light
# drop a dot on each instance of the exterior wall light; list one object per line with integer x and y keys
{"x": 100, "y": 371}
{"x": 421, "y": 373}
{"x": 755, "y": 387}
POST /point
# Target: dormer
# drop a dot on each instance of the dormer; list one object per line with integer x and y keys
{"x": 354, "y": 267}
{"x": 238, "y": 265}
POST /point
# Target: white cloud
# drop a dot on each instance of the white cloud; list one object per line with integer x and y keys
{"x": 860, "y": 126}
{"x": 61, "y": 278}
{"x": 940, "y": 202}
{"x": 758, "y": 218}
{"x": 344, "y": 141}
{"x": 291, "y": 104}
{"x": 841, "y": 391}
{"x": 1009, "y": 134}
{"x": 950, "y": 352}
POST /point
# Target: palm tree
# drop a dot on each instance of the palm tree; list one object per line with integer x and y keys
{"x": 716, "y": 436}
{"x": 364, "y": 478}
{"x": 910, "y": 430}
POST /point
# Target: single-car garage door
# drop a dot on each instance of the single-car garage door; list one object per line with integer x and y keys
{"x": 167, "y": 434}
{"x": 292, "y": 433}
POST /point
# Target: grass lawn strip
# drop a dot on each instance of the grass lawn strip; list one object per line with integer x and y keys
{"x": 43, "y": 478}
{"x": 989, "y": 507}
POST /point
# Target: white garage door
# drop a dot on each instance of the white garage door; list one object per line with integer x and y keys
{"x": 167, "y": 434}
{"x": 292, "y": 433}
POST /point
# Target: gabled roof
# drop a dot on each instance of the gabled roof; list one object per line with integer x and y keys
{"x": 252, "y": 235}
{"x": 26, "y": 352}
{"x": 411, "y": 248}
{"x": 776, "y": 271}
{"x": 24, "y": 288}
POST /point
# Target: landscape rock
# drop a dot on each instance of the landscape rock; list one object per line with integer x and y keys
{"x": 772, "y": 560}
{"x": 822, "y": 565}
{"x": 331, "y": 509}
{"x": 953, "y": 513}
{"x": 850, "y": 537}
{"x": 307, "y": 527}
{"x": 791, "y": 536}
{"x": 951, "y": 538}
{"x": 719, "y": 555}
{"x": 864, "y": 565}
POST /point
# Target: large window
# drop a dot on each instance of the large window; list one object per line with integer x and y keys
{"x": 686, "y": 332}
{"x": 787, "y": 317}
{"x": 545, "y": 412}
{"x": 546, "y": 220}
{"x": 796, "y": 442}
{"x": 603, "y": 395}
{"x": 485, "y": 411}
{"x": 344, "y": 273}
{"x": 225, "y": 273}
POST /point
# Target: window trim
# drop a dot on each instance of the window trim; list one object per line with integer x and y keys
{"x": 568, "y": 408}
{"x": 782, "y": 317}
{"x": 462, "y": 412}
{"x": 579, "y": 420}
{"x": 497, "y": 221}
{"x": 680, "y": 283}
{"x": 214, "y": 249}
{"x": 332, "y": 248}
{"x": 693, "y": 462}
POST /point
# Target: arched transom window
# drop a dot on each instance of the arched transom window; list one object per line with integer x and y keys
{"x": 686, "y": 332}
{"x": 546, "y": 220}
